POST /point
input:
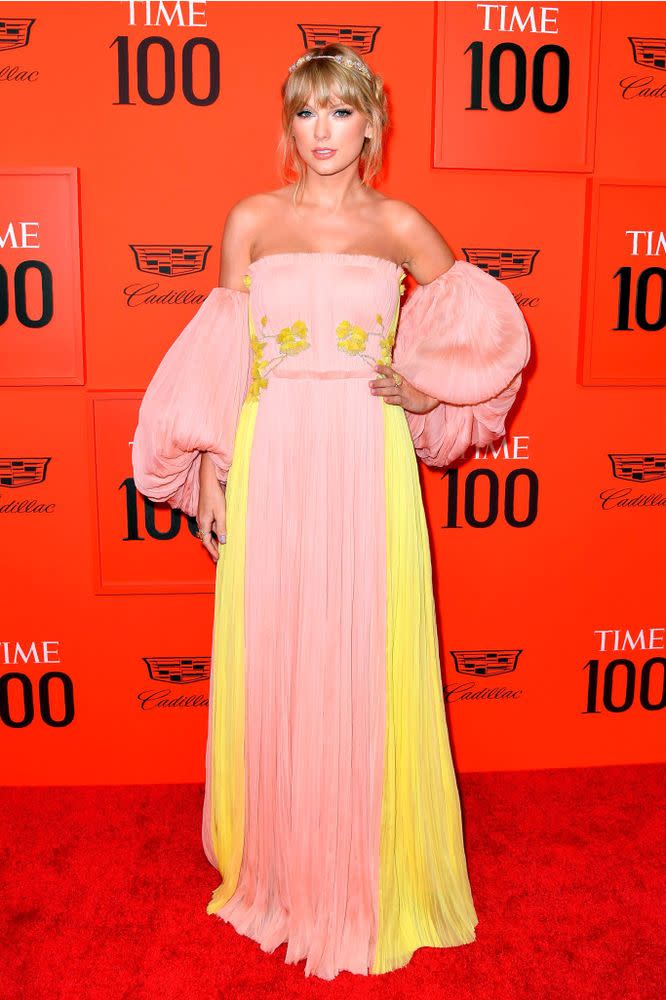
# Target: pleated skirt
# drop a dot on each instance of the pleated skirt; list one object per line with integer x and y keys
{"x": 331, "y": 807}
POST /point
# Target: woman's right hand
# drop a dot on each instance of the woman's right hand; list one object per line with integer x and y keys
{"x": 212, "y": 509}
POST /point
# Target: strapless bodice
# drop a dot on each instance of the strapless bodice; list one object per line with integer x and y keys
{"x": 321, "y": 315}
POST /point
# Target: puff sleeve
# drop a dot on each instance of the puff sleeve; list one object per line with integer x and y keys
{"x": 193, "y": 401}
{"x": 462, "y": 339}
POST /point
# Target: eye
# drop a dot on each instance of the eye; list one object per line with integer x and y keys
{"x": 343, "y": 112}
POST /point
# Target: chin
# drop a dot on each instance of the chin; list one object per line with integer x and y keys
{"x": 323, "y": 166}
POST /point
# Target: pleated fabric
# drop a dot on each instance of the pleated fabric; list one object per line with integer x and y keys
{"x": 331, "y": 809}
{"x": 424, "y": 891}
{"x": 223, "y": 823}
{"x": 314, "y": 658}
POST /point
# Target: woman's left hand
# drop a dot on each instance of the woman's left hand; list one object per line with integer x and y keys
{"x": 405, "y": 394}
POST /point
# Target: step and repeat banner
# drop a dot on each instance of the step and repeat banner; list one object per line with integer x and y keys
{"x": 533, "y": 138}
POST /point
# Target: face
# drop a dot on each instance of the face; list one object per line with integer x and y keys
{"x": 337, "y": 131}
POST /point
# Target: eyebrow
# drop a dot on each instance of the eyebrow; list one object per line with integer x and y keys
{"x": 340, "y": 104}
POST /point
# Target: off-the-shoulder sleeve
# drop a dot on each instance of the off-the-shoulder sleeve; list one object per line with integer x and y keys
{"x": 463, "y": 340}
{"x": 193, "y": 401}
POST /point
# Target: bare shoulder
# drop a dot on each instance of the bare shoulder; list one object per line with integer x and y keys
{"x": 247, "y": 214}
{"x": 245, "y": 218}
{"x": 425, "y": 251}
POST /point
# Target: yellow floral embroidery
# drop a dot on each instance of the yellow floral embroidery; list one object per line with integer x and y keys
{"x": 247, "y": 280}
{"x": 292, "y": 339}
{"x": 258, "y": 382}
{"x": 386, "y": 345}
{"x": 257, "y": 347}
{"x": 351, "y": 338}
{"x": 387, "y": 342}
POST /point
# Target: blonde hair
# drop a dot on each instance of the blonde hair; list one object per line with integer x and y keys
{"x": 320, "y": 77}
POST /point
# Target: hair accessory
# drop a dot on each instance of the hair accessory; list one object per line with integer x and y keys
{"x": 344, "y": 60}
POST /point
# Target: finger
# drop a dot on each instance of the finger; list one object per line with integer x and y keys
{"x": 219, "y": 527}
{"x": 206, "y": 525}
{"x": 392, "y": 397}
{"x": 209, "y": 543}
{"x": 211, "y": 546}
{"x": 387, "y": 390}
{"x": 220, "y": 530}
{"x": 386, "y": 369}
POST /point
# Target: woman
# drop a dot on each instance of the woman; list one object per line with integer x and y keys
{"x": 282, "y": 419}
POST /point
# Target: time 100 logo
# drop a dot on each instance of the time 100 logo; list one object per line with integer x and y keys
{"x": 481, "y": 498}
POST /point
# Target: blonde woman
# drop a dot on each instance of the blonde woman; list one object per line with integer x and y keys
{"x": 286, "y": 418}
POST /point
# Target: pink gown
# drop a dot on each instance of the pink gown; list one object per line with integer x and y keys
{"x": 331, "y": 807}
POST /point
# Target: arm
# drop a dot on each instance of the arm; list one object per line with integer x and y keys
{"x": 462, "y": 341}
{"x": 192, "y": 404}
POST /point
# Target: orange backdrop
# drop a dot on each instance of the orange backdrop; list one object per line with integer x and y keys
{"x": 532, "y": 138}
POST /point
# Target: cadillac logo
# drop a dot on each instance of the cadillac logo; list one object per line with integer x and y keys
{"x": 178, "y": 669}
{"x": 639, "y": 468}
{"x": 170, "y": 261}
{"x": 485, "y": 662}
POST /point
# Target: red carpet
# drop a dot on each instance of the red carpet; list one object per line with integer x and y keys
{"x": 105, "y": 889}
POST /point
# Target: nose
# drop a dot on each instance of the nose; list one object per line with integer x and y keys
{"x": 322, "y": 130}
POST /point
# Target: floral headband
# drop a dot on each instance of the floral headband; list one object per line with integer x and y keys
{"x": 345, "y": 60}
